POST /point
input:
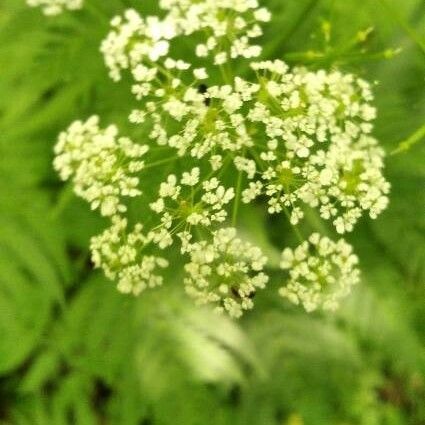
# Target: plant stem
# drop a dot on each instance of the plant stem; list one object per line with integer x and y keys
{"x": 160, "y": 162}
{"x": 405, "y": 145}
{"x": 237, "y": 199}
{"x": 64, "y": 199}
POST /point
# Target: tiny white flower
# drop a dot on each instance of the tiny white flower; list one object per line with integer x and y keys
{"x": 262, "y": 15}
{"x": 192, "y": 178}
{"x": 200, "y": 73}
{"x": 158, "y": 50}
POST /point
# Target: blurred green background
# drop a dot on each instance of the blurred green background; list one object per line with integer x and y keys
{"x": 75, "y": 351}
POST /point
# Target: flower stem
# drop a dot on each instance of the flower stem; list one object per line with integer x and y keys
{"x": 160, "y": 162}
{"x": 237, "y": 198}
{"x": 64, "y": 199}
{"x": 405, "y": 145}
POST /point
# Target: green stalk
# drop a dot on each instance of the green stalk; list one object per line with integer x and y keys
{"x": 405, "y": 145}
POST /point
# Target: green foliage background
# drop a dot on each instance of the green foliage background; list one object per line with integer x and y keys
{"x": 74, "y": 351}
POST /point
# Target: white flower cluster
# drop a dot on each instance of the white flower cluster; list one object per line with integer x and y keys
{"x": 224, "y": 271}
{"x": 318, "y": 150}
{"x": 292, "y": 137}
{"x": 134, "y": 40}
{"x": 211, "y": 122}
{"x": 227, "y": 26}
{"x": 55, "y": 7}
{"x": 122, "y": 258}
{"x": 321, "y": 272}
{"x": 102, "y": 166}
{"x": 188, "y": 203}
